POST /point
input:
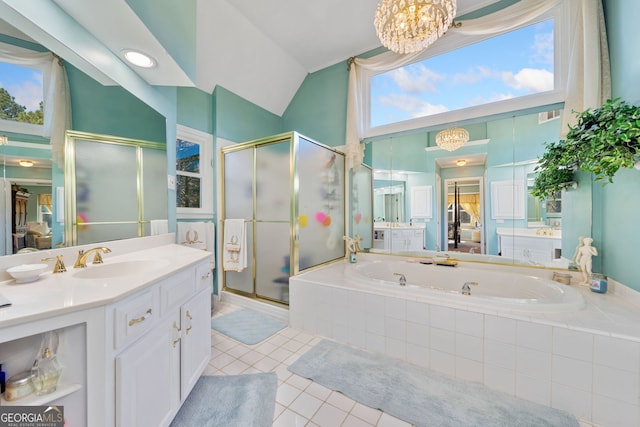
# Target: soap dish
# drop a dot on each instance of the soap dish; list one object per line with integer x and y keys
{"x": 26, "y": 273}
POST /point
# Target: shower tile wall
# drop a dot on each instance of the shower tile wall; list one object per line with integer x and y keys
{"x": 594, "y": 376}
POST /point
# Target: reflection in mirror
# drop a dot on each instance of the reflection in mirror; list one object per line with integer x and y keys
{"x": 465, "y": 205}
{"x": 502, "y": 223}
{"x": 27, "y": 198}
{"x": 97, "y": 108}
{"x": 361, "y": 202}
{"x": 106, "y": 179}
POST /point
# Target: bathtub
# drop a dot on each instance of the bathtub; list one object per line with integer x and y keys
{"x": 517, "y": 332}
{"x": 489, "y": 289}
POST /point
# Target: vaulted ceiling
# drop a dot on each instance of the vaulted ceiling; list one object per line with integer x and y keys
{"x": 260, "y": 50}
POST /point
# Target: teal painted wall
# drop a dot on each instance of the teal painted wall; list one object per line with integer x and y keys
{"x": 238, "y": 120}
{"x": 319, "y": 108}
{"x": 615, "y": 206}
{"x": 173, "y": 23}
{"x": 195, "y": 109}
{"x": 111, "y": 110}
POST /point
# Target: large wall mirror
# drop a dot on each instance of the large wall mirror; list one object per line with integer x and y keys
{"x": 119, "y": 152}
{"x": 474, "y": 203}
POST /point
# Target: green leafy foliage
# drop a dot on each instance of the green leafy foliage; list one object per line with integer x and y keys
{"x": 11, "y": 110}
{"x": 602, "y": 141}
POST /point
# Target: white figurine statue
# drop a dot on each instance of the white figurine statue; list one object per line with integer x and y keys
{"x": 353, "y": 245}
{"x": 583, "y": 258}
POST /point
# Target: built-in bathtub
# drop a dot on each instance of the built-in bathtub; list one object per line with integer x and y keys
{"x": 486, "y": 289}
{"x": 561, "y": 346}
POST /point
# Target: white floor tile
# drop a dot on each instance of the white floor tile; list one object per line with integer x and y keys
{"x": 290, "y": 419}
{"x": 287, "y": 394}
{"x": 387, "y": 420}
{"x": 329, "y": 415}
{"x": 370, "y": 415}
{"x": 306, "y": 405}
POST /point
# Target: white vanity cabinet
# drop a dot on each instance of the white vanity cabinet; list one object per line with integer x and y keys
{"x": 530, "y": 247}
{"x": 133, "y": 341}
{"x": 155, "y": 373}
{"x": 399, "y": 238}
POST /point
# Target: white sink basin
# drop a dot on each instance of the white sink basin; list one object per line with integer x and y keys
{"x": 118, "y": 269}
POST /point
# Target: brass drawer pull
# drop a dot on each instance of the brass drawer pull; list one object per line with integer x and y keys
{"x": 176, "y": 341}
{"x": 190, "y": 319}
{"x": 206, "y": 276}
{"x": 140, "y": 319}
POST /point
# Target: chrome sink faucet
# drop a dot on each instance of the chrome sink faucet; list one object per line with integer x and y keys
{"x": 403, "y": 279}
{"x": 81, "y": 262}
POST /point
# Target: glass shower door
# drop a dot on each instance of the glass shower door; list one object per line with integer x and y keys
{"x": 273, "y": 220}
{"x": 105, "y": 215}
{"x": 238, "y": 204}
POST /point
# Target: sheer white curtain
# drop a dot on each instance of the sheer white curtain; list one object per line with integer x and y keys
{"x": 588, "y": 82}
{"x": 57, "y": 111}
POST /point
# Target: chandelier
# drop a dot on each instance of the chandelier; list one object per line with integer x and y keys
{"x": 452, "y": 139}
{"x": 406, "y": 26}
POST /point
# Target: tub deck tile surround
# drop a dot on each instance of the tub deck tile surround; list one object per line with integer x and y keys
{"x": 586, "y": 362}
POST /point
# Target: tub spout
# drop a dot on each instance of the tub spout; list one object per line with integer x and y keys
{"x": 402, "y": 280}
{"x": 466, "y": 288}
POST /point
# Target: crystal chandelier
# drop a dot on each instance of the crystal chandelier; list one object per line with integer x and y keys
{"x": 406, "y": 26}
{"x": 452, "y": 139}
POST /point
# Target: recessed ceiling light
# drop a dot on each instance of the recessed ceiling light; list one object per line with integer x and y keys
{"x": 461, "y": 162}
{"x": 26, "y": 163}
{"x": 139, "y": 59}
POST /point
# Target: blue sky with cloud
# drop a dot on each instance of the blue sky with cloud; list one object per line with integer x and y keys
{"x": 503, "y": 67}
{"x": 23, "y": 83}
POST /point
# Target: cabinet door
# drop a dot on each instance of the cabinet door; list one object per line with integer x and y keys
{"x": 147, "y": 377}
{"x": 196, "y": 340}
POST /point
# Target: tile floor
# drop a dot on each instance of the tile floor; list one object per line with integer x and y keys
{"x": 299, "y": 401}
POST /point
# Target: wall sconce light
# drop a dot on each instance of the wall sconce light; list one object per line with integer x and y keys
{"x": 4, "y": 140}
{"x": 26, "y": 163}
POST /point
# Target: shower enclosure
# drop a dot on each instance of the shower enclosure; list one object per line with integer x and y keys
{"x": 290, "y": 192}
{"x": 113, "y": 187}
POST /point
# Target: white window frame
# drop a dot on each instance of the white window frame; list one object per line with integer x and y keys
{"x": 205, "y": 140}
{"x": 452, "y": 41}
{"x": 45, "y": 68}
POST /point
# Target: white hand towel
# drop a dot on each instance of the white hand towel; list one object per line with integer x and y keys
{"x": 198, "y": 235}
{"x": 234, "y": 249}
{"x": 159, "y": 226}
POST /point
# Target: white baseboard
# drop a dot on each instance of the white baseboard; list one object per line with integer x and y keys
{"x": 279, "y": 313}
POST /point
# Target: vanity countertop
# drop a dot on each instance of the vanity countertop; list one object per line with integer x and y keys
{"x": 543, "y": 233}
{"x": 62, "y": 293}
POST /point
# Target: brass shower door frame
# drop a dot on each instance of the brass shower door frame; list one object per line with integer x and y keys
{"x": 294, "y": 192}
{"x": 70, "y": 207}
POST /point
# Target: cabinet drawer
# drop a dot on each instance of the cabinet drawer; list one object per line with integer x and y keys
{"x": 134, "y": 317}
{"x": 203, "y": 276}
{"x": 176, "y": 289}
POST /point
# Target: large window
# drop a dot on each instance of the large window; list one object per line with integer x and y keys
{"x": 21, "y": 96}
{"x": 464, "y": 77}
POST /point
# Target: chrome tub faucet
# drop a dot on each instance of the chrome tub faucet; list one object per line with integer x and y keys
{"x": 402, "y": 280}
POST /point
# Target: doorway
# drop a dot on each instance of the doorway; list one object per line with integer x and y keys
{"x": 463, "y": 216}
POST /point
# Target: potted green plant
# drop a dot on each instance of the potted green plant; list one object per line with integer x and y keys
{"x": 607, "y": 138}
{"x": 602, "y": 141}
{"x": 555, "y": 170}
